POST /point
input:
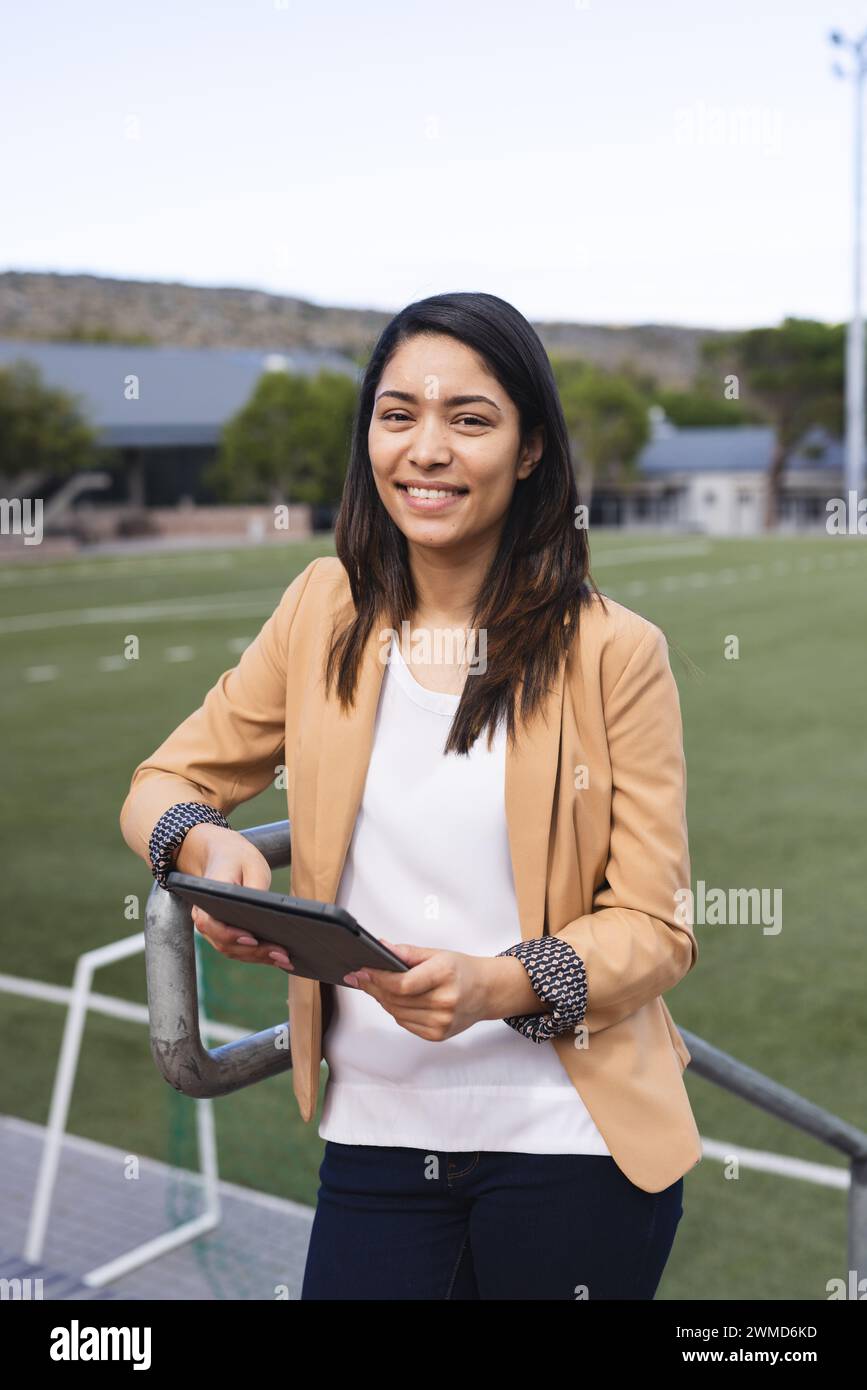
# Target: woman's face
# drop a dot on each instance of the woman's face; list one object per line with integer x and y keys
{"x": 444, "y": 442}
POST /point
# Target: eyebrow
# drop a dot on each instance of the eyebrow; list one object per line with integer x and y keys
{"x": 452, "y": 400}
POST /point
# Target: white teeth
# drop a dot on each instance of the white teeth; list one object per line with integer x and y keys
{"x": 428, "y": 492}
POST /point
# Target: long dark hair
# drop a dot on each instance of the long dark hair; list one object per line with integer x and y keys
{"x": 539, "y": 579}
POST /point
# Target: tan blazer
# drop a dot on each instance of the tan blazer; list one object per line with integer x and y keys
{"x": 595, "y": 804}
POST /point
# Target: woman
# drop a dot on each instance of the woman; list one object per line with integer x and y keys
{"x": 506, "y": 1119}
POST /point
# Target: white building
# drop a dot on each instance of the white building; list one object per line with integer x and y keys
{"x": 714, "y": 480}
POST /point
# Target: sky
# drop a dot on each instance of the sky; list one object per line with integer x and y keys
{"x": 600, "y": 161}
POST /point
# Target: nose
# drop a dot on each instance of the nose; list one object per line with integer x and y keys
{"x": 429, "y": 445}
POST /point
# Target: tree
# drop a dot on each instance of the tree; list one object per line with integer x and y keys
{"x": 290, "y": 442}
{"x": 705, "y": 406}
{"x": 335, "y": 397}
{"x": 43, "y": 432}
{"x": 795, "y": 374}
{"x": 607, "y": 419}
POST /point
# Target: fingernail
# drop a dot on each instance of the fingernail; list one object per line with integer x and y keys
{"x": 279, "y": 957}
{"x": 246, "y": 940}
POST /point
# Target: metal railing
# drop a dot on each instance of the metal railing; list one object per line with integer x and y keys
{"x": 188, "y": 1066}
{"x": 753, "y": 1086}
{"x": 173, "y": 1002}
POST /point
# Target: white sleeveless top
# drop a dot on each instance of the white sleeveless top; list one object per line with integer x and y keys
{"x": 428, "y": 864}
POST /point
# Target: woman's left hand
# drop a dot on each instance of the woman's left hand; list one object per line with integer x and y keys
{"x": 443, "y": 992}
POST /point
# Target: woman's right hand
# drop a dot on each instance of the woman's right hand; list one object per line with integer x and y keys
{"x": 211, "y": 851}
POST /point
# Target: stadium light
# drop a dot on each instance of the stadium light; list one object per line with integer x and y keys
{"x": 855, "y": 339}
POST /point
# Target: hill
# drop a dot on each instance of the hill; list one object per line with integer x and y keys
{"x": 45, "y": 305}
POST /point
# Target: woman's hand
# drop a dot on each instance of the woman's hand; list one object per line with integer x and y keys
{"x": 211, "y": 851}
{"x": 443, "y": 993}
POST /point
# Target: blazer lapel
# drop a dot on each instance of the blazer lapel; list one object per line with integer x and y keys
{"x": 531, "y": 780}
{"x": 345, "y": 743}
{"x": 344, "y": 748}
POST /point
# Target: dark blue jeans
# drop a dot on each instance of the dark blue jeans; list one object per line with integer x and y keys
{"x": 400, "y": 1223}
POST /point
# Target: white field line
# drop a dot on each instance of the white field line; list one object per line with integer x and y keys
{"x": 139, "y": 568}
{"x": 115, "y": 662}
{"x": 653, "y": 552}
{"x": 705, "y": 579}
{"x": 210, "y": 606}
{"x": 41, "y": 673}
{"x": 760, "y": 1160}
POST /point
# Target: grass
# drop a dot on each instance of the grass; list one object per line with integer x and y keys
{"x": 777, "y": 764}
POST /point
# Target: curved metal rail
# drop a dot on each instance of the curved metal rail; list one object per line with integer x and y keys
{"x": 173, "y": 999}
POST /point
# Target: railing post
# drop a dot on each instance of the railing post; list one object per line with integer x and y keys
{"x": 857, "y": 1245}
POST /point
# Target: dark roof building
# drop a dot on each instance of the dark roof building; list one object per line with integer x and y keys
{"x": 169, "y": 423}
{"x": 185, "y": 395}
{"x": 743, "y": 449}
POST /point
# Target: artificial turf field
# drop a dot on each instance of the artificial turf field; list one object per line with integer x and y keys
{"x": 777, "y": 788}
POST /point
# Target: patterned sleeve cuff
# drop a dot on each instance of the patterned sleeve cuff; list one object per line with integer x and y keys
{"x": 557, "y": 975}
{"x": 170, "y": 829}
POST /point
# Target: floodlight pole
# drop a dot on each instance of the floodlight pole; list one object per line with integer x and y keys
{"x": 854, "y": 472}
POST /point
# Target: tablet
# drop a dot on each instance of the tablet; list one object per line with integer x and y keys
{"x": 323, "y": 941}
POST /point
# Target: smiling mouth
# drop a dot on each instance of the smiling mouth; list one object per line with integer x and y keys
{"x": 434, "y": 493}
